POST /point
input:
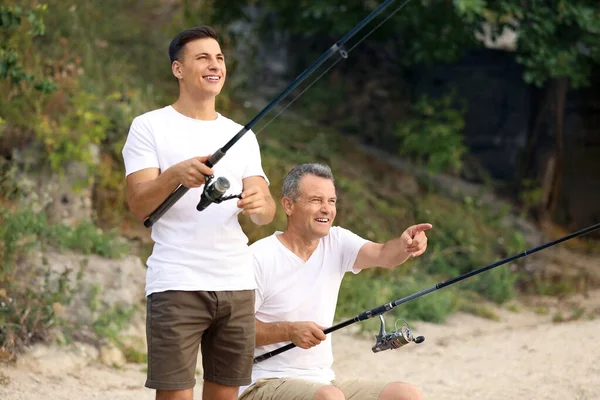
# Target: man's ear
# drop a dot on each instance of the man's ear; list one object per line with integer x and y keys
{"x": 176, "y": 68}
{"x": 287, "y": 203}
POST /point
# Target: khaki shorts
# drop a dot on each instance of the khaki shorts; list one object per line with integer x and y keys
{"x": 177, "y": 322}
{"x": 297, "y": 389}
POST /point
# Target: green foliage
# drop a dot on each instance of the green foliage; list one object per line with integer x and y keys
{"x": 360, "y": 293}
{"x": 133, "y": 355}
{"x": 16, "y": 23}
{"x": 464, "y": 238}
{"x": 71, "y": 136}
{"x": 33, "y": 295}
{"x": 112, "y": 321}
{"x": 433, "y": 136}
{"x": 28, "y": 311}
{"x": 86, "y": 238}
{"x": 530, "y": 196}
{"x": 471, "y": 235}
{"x": 476, "y": 308}
{"x": 102, "y": 82}
{"x": 556, "y": 39}
{"x": 23, "y": 229}
{"x": 560, "y": 41}
{"x": 4, "y": 380}
{"x": 442, "y": 33}
{"x": 469, "y": 9}
{"x": 30, "y": 296}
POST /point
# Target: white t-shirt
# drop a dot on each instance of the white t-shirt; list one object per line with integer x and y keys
{"x": 195, "y": 250}
{"x": 290, "y": 289}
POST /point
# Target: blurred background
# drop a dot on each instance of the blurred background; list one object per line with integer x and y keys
{"x": 481, "y": 117}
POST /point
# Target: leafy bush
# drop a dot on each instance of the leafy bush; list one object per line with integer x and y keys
{"x": 18, "y": 25}
{"x": 32, "y": 295}
{"x": 433, "y": 136}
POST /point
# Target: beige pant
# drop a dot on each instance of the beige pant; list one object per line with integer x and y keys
{"x": 297, "y": 389}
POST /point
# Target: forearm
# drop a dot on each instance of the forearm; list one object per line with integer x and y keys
{"x": 145, "y": 197}
{"x": 272, "y": 332}
{"x": 393, "y": 253}
{"x": 267, "y": 215}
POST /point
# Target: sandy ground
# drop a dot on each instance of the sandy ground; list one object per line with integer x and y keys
{"x": 523, "y": 355}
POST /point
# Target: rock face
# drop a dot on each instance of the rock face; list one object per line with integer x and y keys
{"x": 105, "y": 283}
{"x": 106, "y": 308}
{"x": 65, "y": 197}
{"x": 57, "y": 360}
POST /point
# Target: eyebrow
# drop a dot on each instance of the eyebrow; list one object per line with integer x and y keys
{"x": 208, "y": 54}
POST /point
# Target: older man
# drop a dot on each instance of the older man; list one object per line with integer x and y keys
{"x": 298, "y": 274}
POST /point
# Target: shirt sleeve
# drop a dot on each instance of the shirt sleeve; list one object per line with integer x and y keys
{"x": 260, "y": 284}
{"x": 349, "y": 244}
{"x": 139, "y": 151}
{"x": 254, "y": 165}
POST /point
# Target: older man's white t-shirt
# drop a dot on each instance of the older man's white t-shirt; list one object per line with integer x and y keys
{"x": 290, "y": 289}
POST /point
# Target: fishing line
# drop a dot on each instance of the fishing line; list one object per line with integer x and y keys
{"x": 220, "y": 153}
{"x": 343, "y": 55}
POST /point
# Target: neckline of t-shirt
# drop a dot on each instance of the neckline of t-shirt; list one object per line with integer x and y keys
{"x": 277, "y": 233}
{"x": 194, "y": 120}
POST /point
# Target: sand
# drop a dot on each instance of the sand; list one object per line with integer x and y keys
{"x": 525, "y": 354}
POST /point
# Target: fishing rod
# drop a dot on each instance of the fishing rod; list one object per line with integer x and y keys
{"x": 394, "y": 340}
{"x": 338, "y": 47}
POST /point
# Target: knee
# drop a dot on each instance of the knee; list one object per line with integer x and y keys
{"x": 400, "y": 391}
{"x": 329, "y": 393}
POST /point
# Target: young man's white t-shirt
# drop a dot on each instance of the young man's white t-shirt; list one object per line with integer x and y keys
{"x": 290, "y": 289}
{"x": 195, "y": 250}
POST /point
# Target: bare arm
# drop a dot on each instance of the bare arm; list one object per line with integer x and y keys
{"x": 412, "y": 242}
{"x": 304, "y": 334}
{"x": 257, "y": 201}
{"x": 148, "y": 188}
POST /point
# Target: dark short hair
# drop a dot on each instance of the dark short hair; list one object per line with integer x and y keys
{"x": 291, "y": 182}
{"x": 184, "y": 37}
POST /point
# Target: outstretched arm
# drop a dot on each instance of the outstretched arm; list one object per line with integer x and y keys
{"x": 304, "y": 334}
{"x": 412, "y": 242}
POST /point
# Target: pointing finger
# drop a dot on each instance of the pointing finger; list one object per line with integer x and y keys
{"x": 416, "y": 229}
{"x": 423, "y": 227}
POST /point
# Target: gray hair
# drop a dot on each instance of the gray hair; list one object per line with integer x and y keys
{"x": 292, "y": 179}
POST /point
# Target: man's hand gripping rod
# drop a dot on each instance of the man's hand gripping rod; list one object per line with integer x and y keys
{"x": 385, "y": 342}
{"x": 212, "y": 161}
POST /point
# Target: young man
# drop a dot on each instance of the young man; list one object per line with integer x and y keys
{"x": 199, "y": 283}
{"x": 298, "y": 274}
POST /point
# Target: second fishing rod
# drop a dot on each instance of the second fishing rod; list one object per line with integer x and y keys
{"x": 220, "y": 186}
{"x": 394, "y": 340}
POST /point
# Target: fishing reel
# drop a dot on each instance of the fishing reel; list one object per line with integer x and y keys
{"x": 215, "y": 192}
{"x": 394, "y": 340}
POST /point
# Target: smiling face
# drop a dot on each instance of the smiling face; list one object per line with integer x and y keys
{"x": 201, "y": 68}
{"x": 312, "y": 213}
